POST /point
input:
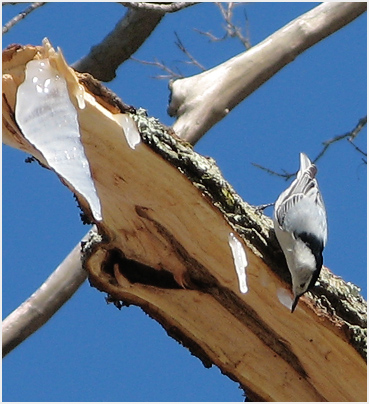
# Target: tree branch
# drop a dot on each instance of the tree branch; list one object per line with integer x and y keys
{"x": 350, "y": 136}
{"x": 200, "y": 101}
{"x": 128, "y": 35}
{"x": 20, "y": 16}
{"x": 191, "y": 59}
{"x": 161, "y": 7}
{"x": 171, "y": 74}
{"x": 46, "y": 301}
{"x": 232, "y": 30}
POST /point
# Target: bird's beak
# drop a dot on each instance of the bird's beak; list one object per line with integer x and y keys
{"x": 294, "y": 304}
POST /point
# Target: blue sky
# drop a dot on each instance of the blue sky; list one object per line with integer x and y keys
{"x": 90, "y": 351}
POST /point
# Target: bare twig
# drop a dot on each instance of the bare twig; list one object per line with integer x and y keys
{"x": 160, "y": 7}
{"x": 10, "y": 24}
{"x": 232, "y": 30}
{"x": 357, "y": 148}
{"x": 45, "y": 302}
{"x": 192, "y": 60}
{"x": 161, "y": 65}
{"x": 171, "y": 73}
{"x": 284, "y": 174}
{"x": 350, "y": 136}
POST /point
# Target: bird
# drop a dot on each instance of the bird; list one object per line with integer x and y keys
{"x": 300, "y": 224}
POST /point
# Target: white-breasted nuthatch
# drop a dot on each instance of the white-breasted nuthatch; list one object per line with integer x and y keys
{"x": 300, "y": 224}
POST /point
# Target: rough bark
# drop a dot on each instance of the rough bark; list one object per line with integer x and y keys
{"x": 128, "y": 35}
{"x": 193, "y": 98}
{"x": 163, "y": 246}
{"x": 126, "y": 38}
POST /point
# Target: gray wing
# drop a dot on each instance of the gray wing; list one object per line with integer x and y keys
{"x": 304, "y": 190}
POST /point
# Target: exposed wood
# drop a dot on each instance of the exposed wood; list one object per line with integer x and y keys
{"x": 167, "y": 215}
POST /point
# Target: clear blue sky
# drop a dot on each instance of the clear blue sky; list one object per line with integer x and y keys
{"x": 90, "y": 351}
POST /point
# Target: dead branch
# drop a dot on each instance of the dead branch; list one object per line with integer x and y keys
{"x": 120, "y": 44}
{"x": 200, "y": 101}
{"x": 232, "y": 30}
{"x": 10, "y": 24}
{"x": 128, "y": 35}
{"x": 350, "y": 136}
{"x": 191, "y": 59}
{"x": 171, "y": 74}
{"x": 160, "y": 7}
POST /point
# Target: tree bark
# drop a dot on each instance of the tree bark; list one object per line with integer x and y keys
{"x": 128, "y": 35}
{"x": 126, "y": 38}
{"x": 167, "y": 219}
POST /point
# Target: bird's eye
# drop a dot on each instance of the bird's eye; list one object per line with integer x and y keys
{"x": 302, "y": 285}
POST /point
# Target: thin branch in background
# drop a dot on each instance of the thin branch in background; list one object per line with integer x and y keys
{"x": 160, "y": 65}
{"x": 162, "y": 8}
{"x": 131, "y": 31}
{"x": 10, "y": 24}
{"x": 172, "y": 74}
{"x": 284, "y": 173}
{"x": 11, "y": 3}
{"x": 59, "y": 287}
{"x": 232, "y": 30}
{"x": 358, "y": 150}
{"x": 192, "y": 60}
{"x": 350, "y": 136}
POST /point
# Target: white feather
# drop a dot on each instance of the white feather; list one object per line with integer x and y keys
{"x": 300, "y": 224}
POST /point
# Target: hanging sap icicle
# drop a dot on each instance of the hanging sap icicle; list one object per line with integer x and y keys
{"x": 240, "y": 261}
{"x": 129, "y": 129}
{"x": 48, "y": 120}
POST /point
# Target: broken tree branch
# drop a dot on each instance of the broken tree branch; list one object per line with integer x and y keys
{"x": 163, "y": 245}
{"x": 200, "y": 101}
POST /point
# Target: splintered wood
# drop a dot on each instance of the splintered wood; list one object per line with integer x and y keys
{"x": 177, "y": 241}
